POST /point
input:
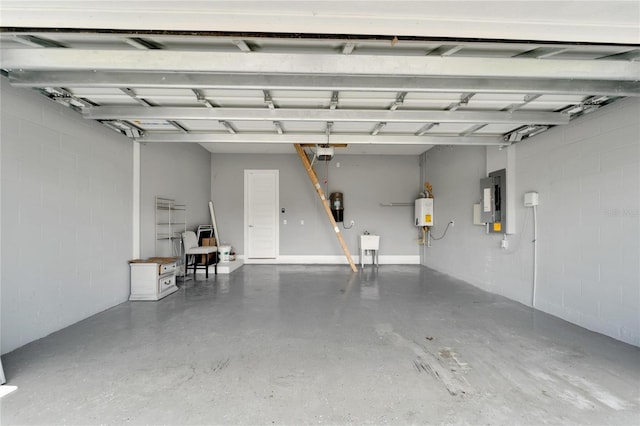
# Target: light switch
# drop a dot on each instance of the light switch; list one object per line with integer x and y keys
{"x": 302, "y": 222}
{"x": 284, "y": 221}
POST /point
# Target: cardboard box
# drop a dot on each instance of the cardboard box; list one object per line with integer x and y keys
{"x": 208, "y": 242}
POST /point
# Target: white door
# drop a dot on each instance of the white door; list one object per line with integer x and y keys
{"x": 261, "y": 214}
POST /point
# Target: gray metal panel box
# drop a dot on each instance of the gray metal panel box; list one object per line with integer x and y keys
{"x": 493, "y": 206}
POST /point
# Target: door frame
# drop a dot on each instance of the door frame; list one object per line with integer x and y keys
{"x": 276, "y": 173}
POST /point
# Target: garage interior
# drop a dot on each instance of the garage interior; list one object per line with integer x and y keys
{"x": 517, "y": 302}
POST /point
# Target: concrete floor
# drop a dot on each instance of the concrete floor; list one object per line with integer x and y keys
{"x": 315, "y": 344}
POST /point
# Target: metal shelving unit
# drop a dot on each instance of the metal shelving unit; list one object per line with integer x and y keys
{"x": 171, "y": 222}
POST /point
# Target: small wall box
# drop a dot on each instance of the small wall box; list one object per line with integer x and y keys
{"x": 531, "y": 199}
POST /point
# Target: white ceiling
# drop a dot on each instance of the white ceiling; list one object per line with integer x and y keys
{"x": 255, "y": 77}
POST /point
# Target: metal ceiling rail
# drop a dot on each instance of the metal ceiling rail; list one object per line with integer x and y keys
{"x": 418, "y": 84}
{"x": 335, "y": 115}
{"x": 306, "y": 63}
{"x": 321, "y": 138}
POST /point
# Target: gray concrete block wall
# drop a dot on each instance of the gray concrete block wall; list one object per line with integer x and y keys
{"x": 365, "y": 180}
{"x": 66, "y": 217}
{"x": 588, "y": 178}
{"x": 178, "y": 171}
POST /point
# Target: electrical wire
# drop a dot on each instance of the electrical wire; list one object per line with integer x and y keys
{"x": 444, "y": 234}
{"x": 326, "y": 174}
{"x": 518, "y": 241}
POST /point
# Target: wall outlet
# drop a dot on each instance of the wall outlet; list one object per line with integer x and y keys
{"x": 504, "y": 243}
{"x": 453, "y": 222}
{"x": 353, "y": 222}
{"x": 284, "y": 222}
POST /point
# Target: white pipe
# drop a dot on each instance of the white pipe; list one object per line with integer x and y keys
{"x": 535, "y": 256}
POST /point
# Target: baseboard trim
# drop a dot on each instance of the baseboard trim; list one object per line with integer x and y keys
{"x": 333, "y": 260}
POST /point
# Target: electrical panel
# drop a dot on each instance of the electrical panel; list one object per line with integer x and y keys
{"x": 493, "y": 205}
{"x": 424, "y": 212}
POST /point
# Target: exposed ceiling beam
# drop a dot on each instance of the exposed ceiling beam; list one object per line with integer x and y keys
{"x": 143, "y": 43}
{"x": 423, "y": 84}
{"x": 348, "y": 48}
{"x": 334, "y": 100}
{"x": 268, "y": 100}
{"x": 424, "y": 129}
{"x": 541, "y": 52}
{"x": 231, "y": 62}
{"x": 527, "y": 99}
{"x": 37, "y": 41}
{"x": 178, "y": 126}
{"x": 321, "y": 138}
{"x": 126, "y": 129}
{"x": 285, "y": 114}
{"x": 631, "y": 55}
{"x": 447, "y": 50}
{"x": 399, "y": 101}
{"x": 472, "y": 129}
{"x": 377, "y": 128}
{"x": 464, "y": 101}
{"x": 200, "y": 96}
{"x": 242, "y": 45}
{"x": 134, "y": 96}
{"x": 228, "y": 126}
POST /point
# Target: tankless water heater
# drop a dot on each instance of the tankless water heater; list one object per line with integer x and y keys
{"x": 424, "y": 212}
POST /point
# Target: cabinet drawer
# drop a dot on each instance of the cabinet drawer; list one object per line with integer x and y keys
{"x": 166, "y": 283}
{"x": 166, "y": 268}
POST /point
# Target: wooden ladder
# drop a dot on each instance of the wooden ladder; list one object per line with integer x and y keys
{"x": 325, "y": 203}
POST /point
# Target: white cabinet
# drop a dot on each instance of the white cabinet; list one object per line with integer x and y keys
{"x": 152, "y": 279}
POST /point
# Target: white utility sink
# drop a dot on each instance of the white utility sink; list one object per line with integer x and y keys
{"x": 369, "y": 243}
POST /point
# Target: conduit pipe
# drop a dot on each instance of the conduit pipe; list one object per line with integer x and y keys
{"x": 535, "y": 257}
